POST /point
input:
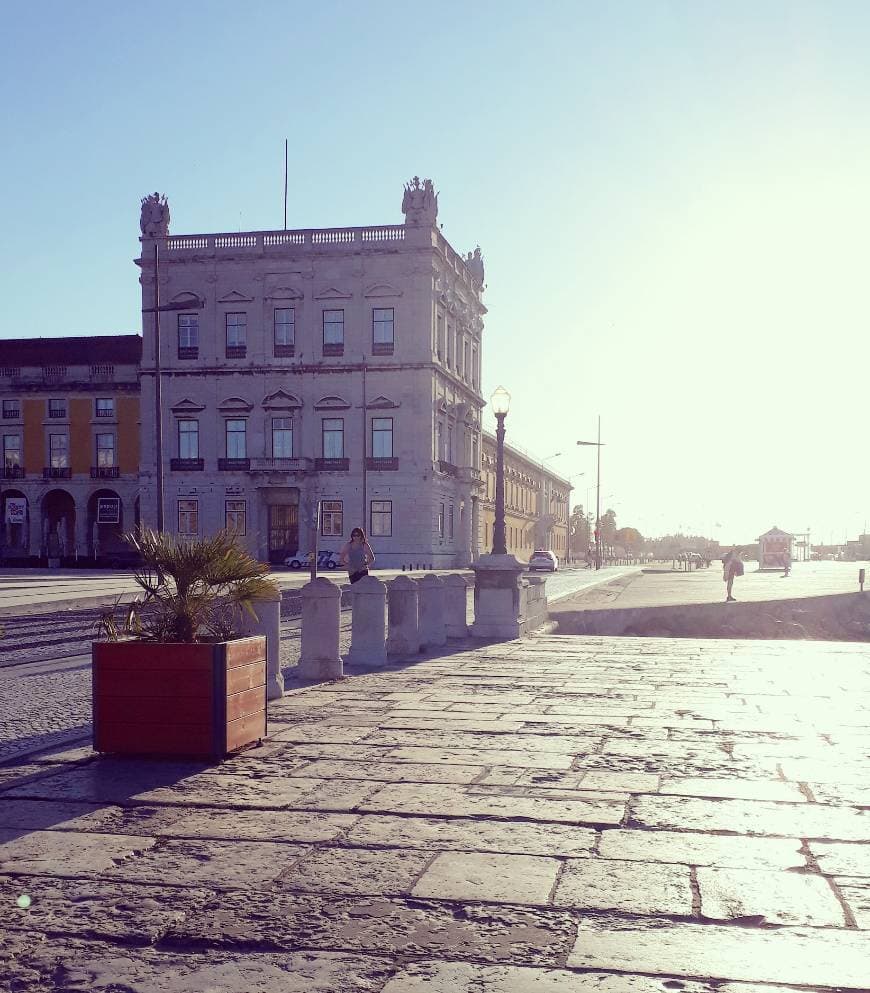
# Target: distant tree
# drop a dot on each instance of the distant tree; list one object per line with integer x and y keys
{"x": 630, "y": 538}
{"x": 580, "y": 530}
{"x": 607, "y": 527}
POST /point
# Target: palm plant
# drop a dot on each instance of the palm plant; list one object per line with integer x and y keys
{"x": 194, "y": 590}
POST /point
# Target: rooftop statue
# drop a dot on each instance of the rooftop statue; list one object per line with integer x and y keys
{"x": 154, "y": 219}
{"x": 420, "y": 202}
{"x": 474, "y": 264}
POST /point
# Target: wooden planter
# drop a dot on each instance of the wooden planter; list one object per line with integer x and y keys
{"x": 175, "y": 699}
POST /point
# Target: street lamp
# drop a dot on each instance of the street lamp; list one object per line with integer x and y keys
{"x": 597, "y": 444}
{"x": 500, "y": 402}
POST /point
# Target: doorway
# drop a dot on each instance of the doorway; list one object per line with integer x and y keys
{"x": 283, "y": 531}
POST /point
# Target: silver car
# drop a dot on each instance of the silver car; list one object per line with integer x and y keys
{"x": 543, "y": 558}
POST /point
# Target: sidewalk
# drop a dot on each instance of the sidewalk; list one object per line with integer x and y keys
{"x": 563, "y": 814}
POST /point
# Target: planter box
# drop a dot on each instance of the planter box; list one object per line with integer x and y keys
{"x": 174, "y": 699}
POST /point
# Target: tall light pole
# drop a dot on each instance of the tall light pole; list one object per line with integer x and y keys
{"x": 597, "y": 497}
{"x": 500, "y": 401}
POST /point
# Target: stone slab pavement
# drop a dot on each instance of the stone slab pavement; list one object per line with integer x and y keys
{"x": 562, "y": 815}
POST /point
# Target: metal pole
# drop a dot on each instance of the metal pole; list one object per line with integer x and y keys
{"x": 499, "y": 546}
{"x": 568, "y": 528}
{"x": 314, "y": 538}
{"x": 285, "y": 184}
{"x": 158, "y": 389}
{"x": 364, "y": 524}
{"x": 598, "y": 503}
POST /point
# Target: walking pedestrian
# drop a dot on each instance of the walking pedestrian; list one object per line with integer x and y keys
{"x": 732, "y": 567}
{"x": 357, "y": 555}
{"x": 786, "y": 564}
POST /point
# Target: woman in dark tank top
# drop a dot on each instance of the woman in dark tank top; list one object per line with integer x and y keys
{"x": 357, "y": 555}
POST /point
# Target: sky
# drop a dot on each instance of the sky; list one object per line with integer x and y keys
{"x": 672, "y": 200}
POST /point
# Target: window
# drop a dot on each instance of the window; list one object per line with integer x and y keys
{"x": 237, "y": 335}
{"x": 451, "y": 341}
{"x": 382, "y": 437}
{"x": 105, "y": 407}
{"x": 105, "y": 450}
{"x": 11, "y": 409}
{"x": 333, "y": 332}
{"x": 381, "y": 525}
{"x": 450, "y": 443}
{"x": 235, "y": 516}
{"x": 282, "y": 437}
{"x": 188, "y": 439}
{"x": 284, "y": 331}
{"x": 441, "y": 520}
{"x": 474, "y": 373}
{"x": 450, "y": 522}
{"x": 11, "y": 451}
{"x": 188, "y": 336}
{"x": 333, "y": 437}
{"x": 58, "y": 446}
{"x": 382, "y": 330}
{"x": 236, "y": 433}
{"x": 57, "y": 408}
{"x": 465, "y": 367}
{"x": 439, "y": 440}
{"x": 439, "y": 336}
{"x": 188, "y": 517}
{"x": 332, "y": 518}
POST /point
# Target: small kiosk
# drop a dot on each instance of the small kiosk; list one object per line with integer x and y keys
{"x": 775, "y": 549}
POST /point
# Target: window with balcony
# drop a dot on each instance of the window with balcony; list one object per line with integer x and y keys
{"x": 105, "y": 450}
{"x": 188, "y": 336}
{"x": 450, "y": 521}
{"x": 11, "y": 410}
{"x": 382, "y": 444}
{"x": 188, "y": 447}
{"x": 58, "y": 457}
{"x": 284, "y": 331}
{"x": 104, "y": 407}
{"x": 188, "y": 517}
{"x": 333, "y": 437}
{"x": 237, "y": 335}
{"x": 332, "y": 518}
{"x": 440, "y": 520}
{"x": 383, "y": 323}
{"x": 236, "y": 516}
{"x": 57, "y": 408}
{"x": 333, "y": 332}
{"x": 282, "y": 437}
{"x": 236, "y": 433}
{"x": 381, "y": 519}
{"x": 12, "y": 468}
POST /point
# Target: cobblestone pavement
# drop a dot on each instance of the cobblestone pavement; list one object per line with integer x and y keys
{"x": 563, "y": 815}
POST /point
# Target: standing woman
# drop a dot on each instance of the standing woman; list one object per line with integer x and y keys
{"x": 733, "y": 567}
{"x": 357, "y": 555}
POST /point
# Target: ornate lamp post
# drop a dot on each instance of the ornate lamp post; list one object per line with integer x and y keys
{"x": 500, "y": 401}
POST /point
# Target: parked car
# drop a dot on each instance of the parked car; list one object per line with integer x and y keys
{"x": 543, "y": 558}
{"x": 325, "y": 560}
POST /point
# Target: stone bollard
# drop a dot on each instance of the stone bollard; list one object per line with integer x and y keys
{"x": 455, "y": 606}
{"x": 368, "y": 640}
{"x": 268, "y": 623}
{"x": 321, "y": 621}
{"x": 403, "y": 611}
{"x": 433, "y": 632}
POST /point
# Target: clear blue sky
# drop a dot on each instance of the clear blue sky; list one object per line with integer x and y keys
{"x": 672, "y": 201}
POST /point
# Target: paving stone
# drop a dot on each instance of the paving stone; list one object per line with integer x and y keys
{"x": 34, "y": 815}
{"x": 484, "y": 756}
{"x": 520, "y": 879}
{"x": 459, "y": 834}
{"x": 218, "y": 864}
{"x": 633, "y": 887}
{"x": 433, "y": 799}
{"x": 261, "y": 825}
{"x": 356, "y": 870}
{"x": 856, "y": 893}
{"x": 523, "y": 742}
{"x": 842, "y": 858}
{"x": 64, "y": 853}
{"x": 395, "y": 772}
{"x": 504, "y": 726}
{"x": 772, "y": 897}
{"x": 317, "y": 731}
{"x": 804, "y": 956}
{"x": 736, "y": 789}
{"x": 702, "y": 849}
{"x": 806, "y": 820}
{"x": 849, "y": 794}
{"x": 616, "y": 782}
{"x": 278, "y": 919}
{"x": 464, "y": 977}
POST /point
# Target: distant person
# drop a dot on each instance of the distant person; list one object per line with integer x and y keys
{"x": 357, "y": 555}
{"x": 732, "y": 567}
{"x": 590, "y": 558}
{"x": 786, "y": 564}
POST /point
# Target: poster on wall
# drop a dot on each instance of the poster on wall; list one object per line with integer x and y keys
{"x": 108, "y": 510}
{"x": 16, "y": 510}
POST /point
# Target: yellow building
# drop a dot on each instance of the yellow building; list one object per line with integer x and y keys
{"x": 69, "y": 430}
{"x": 535, "y": 502}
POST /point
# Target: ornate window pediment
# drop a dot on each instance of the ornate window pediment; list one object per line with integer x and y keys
{"x": 279, "y": 400}
{"x": 234, "y": 296}
{"x": 381, "y": 403}
{"x": 333, "y": 293}
{"x": 442, "y": 406}
{"x": 382, "y": 290}
{"x": 189, "y": 299}
{"x": 284, "y": 293}
{"x": 332, "y": 403}
{"x": 187, "y": 406}
{"x": 235, "y": 405}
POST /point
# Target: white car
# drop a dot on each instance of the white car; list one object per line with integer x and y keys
{"x": 325, "y": 560}
{"x": 543, "y": 558}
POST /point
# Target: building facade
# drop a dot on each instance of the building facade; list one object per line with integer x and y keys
{"x": 535, "y": 501}
{"x": 70, "y": 446}
{"x": 334, "y": 368}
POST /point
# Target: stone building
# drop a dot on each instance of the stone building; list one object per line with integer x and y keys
{"x": 339, "y": 366}
{"x": 535, "y": 500}
{"x": 70, "y": 434}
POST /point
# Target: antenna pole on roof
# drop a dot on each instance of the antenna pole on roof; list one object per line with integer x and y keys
{"x": 285, "y": 184}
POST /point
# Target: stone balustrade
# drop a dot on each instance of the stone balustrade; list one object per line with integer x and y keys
{"x": 264, "y": 241}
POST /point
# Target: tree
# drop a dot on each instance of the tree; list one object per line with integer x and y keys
{"x": 630, "y": 538}
{"x": 607, "y": 528}
{"x": 580, "y": 530}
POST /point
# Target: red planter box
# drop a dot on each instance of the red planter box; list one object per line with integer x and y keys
{"x": 176, "y": 699}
